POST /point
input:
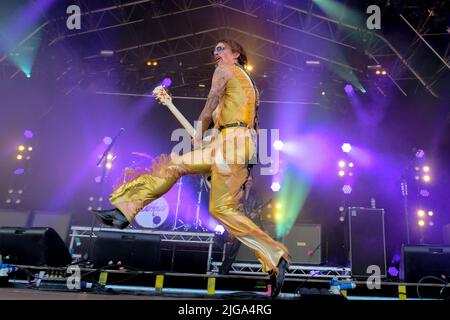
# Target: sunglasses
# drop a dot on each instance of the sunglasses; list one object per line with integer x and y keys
{"x": 218, "y": 50}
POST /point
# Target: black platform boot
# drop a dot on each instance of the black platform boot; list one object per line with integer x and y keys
{"x": 278, "y": 281}
{"x": 112, "y": 217}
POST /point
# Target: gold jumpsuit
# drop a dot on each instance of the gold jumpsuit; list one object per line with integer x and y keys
{"x": 225, "y": 158}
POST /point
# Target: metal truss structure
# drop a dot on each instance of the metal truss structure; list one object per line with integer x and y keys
{"x": 204, "y": 238}
{"x": 294, "y": 271}
{"x": 279, "y": 36}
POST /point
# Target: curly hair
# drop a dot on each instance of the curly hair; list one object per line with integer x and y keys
{"x": 236, "y": 47}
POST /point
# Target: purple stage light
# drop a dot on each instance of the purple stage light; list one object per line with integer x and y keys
{"x": 107, "y": 140}
{"x": 19, "y": 171}
{"x": 346, "y": 147}
{"x": 347, "y": 189}
{"x": 349, "y": 89}
{"x": 341, "y": 164}
{"x": 420, "y": 153}
{"x": 167, "y": 82}
{"x": 28, "y": 134}
{"x": 393, "y": 271}
{"x": 424, "y": 193}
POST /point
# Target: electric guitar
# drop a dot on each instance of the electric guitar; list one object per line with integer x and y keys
{"x": 165, "y": 99}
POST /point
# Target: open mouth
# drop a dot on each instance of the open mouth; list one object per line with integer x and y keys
{"x": 217, "y": 59}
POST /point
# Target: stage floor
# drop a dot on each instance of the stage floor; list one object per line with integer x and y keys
{"x": 34, "y": 294}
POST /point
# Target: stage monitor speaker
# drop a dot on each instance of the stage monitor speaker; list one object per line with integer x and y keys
{"x": 14, "y": 218}
{"x": 304, "y": 244}
{"x": 59, "y": 221}
{"x": 367, "y": 244}
{"x": 33, "y": 246}
{"x": 138, "y": 251}
{"x": 419, "y": 261}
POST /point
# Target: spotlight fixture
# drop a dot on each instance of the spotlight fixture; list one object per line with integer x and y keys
{"x": 420, "y": 153}
{"x": 278, "y": 145}
{"x": 28, "y": 134}
{"x": 347, "y": 189}
{"x": 349, "y": 89}
{"x": 248, "y": 67}
{"x": 275, "y": 187}
{"x": 346, "y": 147}
{"x": 107, "y": 140}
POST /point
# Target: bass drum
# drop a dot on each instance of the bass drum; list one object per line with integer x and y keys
{"x": 155, "y": 215}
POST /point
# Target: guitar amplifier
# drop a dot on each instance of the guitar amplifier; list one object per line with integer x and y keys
{"x": 367, "y": 244}
{"x": 304, "y": 243}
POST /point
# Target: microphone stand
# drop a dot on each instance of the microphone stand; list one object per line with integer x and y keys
{"x": 197, "y": 215}
{"x": 101, "y": 187}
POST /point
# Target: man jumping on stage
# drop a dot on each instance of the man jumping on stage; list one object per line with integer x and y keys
{"x": 232, "y": 107}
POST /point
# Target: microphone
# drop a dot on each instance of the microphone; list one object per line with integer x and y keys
{"x": 110, "y": 146}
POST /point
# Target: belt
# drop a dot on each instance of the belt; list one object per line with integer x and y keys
{"x": 234, "y": 124}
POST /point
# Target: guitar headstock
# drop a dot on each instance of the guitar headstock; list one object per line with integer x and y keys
{"x": 161, "y": 95}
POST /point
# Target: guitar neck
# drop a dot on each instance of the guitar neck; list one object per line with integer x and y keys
{"x": 184, "y": 122}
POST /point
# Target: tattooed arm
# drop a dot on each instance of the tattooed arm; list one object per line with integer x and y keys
{"x": 220, "y": 77}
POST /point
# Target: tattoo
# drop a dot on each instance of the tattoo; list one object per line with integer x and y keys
{"x": 219, "y": 80}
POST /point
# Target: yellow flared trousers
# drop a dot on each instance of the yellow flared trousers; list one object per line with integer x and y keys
{"x": 226, "y": 159}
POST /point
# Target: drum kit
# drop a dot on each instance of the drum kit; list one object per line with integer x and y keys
{"x": 164, "y": 212}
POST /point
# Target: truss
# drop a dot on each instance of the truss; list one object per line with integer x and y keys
{"x": 274, "y": 19}
{"x": 295, "y": 271}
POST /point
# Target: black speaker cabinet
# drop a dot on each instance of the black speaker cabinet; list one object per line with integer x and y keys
{"x": 138, "y": 251}
{"x": 33, "y": 246}
{"x": 367, "y": 244}
{"x": 421, "y": 261}
{"x": 304, "y": 243}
